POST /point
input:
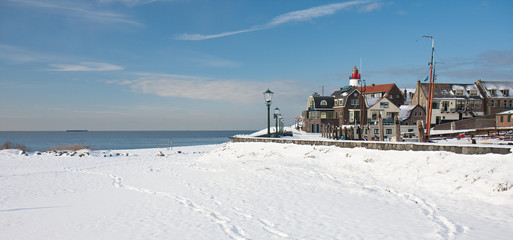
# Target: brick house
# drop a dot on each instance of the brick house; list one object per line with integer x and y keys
{"x": 504, "y": 119}
{"x": 498, "y": 96}
{"x": 411, "y": 113}
{"x": 319, "y": 111}
{"x": 348, "y": 106}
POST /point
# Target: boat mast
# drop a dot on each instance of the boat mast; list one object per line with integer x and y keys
{"x": 430, "y": 91}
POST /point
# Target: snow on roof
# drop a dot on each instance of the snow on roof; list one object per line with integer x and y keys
{"x": 405, "y": 111}
{"x": 498, "y": 86}
{"x": 372, "y": 101}
{"x": 506, "y": 112}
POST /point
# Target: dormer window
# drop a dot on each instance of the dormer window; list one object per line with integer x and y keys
{"x": 473, "y": 92}
{"x": 493, "y": 92}
{"x": 505, "y": 92}
{"x": 458, "y": 92}
{"x": 324, "y": 103}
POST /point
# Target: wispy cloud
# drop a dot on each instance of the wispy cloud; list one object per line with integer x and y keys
{"x": 85, "y": 67}
{"x": 295, "y": 16}
{"x": 79, "y": 11}
{"x": 18, "y": 55}
{"x": 192, "y": 87}
{"x": 133, "y": 2}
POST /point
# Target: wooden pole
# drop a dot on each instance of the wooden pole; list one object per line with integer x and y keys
{"x": 397, "y": 130}
{"x": 381, "y": 130}
{"x": 431, "y": 88}
{"x": 420, "y": 128}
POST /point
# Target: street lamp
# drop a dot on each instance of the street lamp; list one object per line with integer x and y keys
{"x": 268, "y": 95}
{"x": 276, "y": 112}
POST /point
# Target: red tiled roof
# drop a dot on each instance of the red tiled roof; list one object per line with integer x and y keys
{"x": 377, "y": 88}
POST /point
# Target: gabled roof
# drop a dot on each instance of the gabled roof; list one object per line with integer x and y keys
{"x": 386, "y": 88}
{"x": 406, "y": 111}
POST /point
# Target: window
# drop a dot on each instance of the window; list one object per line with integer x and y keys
{"x": 505, "y": 92}
{"x": 397, "y": 96}
{"x": 376, "y": 131}
{"x": 510, "y": 102}
{"x": 351, "y": 116}
{"x": 436, "y": 105}
{"x": 473, "y": 92}
{"x": 420, "y": 114}
{"x": 383, "y": 105}
{"x": 492, "y": 103}
{"x": 493, "y": 92}
{"x": 336, "y": 102}
{"x": 324, "y": 103}
{"x": 390, "y": 96}
{"x": 389, "y": 131}
{"x": 502, "y": 118}
{"x": 355, "y": 102}
{"x": 509, "y": 118}
{"x": 458, "y": 92}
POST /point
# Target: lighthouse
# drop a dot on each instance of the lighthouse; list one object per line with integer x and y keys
{"x": 354, "y": 80}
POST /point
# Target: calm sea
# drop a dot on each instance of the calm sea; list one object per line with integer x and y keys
{"x": 108, "y": 140}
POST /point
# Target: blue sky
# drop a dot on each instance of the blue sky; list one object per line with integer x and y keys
{"x": 203, "y": 65}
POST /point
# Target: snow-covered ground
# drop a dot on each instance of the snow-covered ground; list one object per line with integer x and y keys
{"x": 256, "y": 191}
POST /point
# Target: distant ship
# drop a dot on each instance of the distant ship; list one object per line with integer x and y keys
{"x": 77, "y": 131}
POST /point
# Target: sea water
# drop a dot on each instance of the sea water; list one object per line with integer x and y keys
{"x": 109, "y": 140}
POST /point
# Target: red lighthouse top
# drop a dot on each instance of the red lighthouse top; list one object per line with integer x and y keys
{"x": 355, "y": 74}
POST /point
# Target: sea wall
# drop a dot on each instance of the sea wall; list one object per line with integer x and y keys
{"x": 400, "y": 146}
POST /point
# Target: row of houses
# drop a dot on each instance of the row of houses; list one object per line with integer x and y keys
{"x": 357, "y": 104}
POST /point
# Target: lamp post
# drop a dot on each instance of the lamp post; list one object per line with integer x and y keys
{"x": 276, "y": 112}
{"x": 268, "y": 95}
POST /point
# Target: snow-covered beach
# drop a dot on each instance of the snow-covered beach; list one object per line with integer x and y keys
{"x": 256, "y": 191}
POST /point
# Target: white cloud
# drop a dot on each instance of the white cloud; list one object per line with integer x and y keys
{"x": 371, "y": 7}
{"x": 79, "y": 11}
{"x": 85, "y": 67}
{"x": 295, "y": 16}
{"x": 191, "y": 87}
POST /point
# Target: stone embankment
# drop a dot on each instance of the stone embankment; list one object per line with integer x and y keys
{"x": 399, "y": 146}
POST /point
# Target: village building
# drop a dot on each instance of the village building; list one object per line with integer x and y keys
{"x": 319, "y": 111}
{"x": 384, "y": 107}
{"x": 410, "y": 114}
{"x": 451, "y": 102}
{"x": 389, "y": 91}
{"x": 498, "y": 96}
{"x": 350, "y": 107}
{"x": 504, "y": 119}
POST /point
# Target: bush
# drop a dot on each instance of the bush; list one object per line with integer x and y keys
{"x": 65, "y": 147}
{"x": 9, "y": 145}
